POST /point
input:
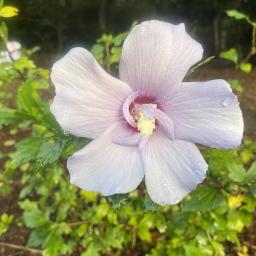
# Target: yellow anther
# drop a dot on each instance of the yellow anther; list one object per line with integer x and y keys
{"x": 145, "y": 125}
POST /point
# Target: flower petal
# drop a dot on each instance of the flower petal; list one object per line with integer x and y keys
{"x": 106, "y": 167}
{"x": 207, "y": 113}
{"x": 156, "y": 55}
{"x": 88, "y": 100}
{"x": 173, "y": 168}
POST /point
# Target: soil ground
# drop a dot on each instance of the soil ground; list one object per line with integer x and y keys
{"x": 18, "y": 235}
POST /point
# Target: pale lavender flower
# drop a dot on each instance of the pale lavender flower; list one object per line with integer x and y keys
{"x": 14, "y": 49}
{"x": 147, "y": 123}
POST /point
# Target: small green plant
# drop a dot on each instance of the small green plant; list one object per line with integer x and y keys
{"x": 232, "y": 54}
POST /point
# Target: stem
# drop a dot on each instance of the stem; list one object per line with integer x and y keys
{"x": 108, "y": 57}
{"x": 133, "y": 237}
{"x": 253, "y": 44}
{"x": 11, "y": 58}
{"x": 23, "y": 248}
{"x": 77, "y": 223}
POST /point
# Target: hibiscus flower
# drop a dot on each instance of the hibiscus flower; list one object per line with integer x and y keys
{"x": 147, "y": 123}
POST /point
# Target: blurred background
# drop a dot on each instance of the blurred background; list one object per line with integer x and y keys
{"x": 60, "y": 24}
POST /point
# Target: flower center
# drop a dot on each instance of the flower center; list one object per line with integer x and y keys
{"x": 143, "y": 114}
{"x": 145, "y": 125}
{"x": 144, "y": 118}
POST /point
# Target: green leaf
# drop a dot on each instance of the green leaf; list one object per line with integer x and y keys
{"x": 115, "y": 54}
{"x": 149, "y": 205}
{"x": 98, "y": 51}
{"x": 5, "y": 222}
{"x": 237, "y": 172}
{"x": 246, "y": 155}
{"x": 107, "y": 39}
{"x": 251, "y": 174}
{"x": 203, "y": 199}
{"x": 102, "y": 211}
{"x": 115, "y": 237}
{"x": 144, "y": 227}
{"x": 4, "y": 30}
{"x": 25, "y": 191}
{"x": 235, "y": 221}
{"x": 24, "y": 63}
{"x": 27, "y": 98}
{"x": 34, "y": 218}
{"x": 237, "y": 15}
{"x": 50, "y": 152}
{"x": 120, "y": 38}
{"x": 26, "y": 150}
{"x": 246, "y": 67}
{"x": 252, "y": 188}
{"x": 230, "y": 55}
{"x": 191, "y": 250}
{"x": 235, "y": 85}
{"x": 118, "y": 200}
{"x": 38, "y": 236}
{"x": 53, "y": 244}
{"x": 8, "y": 116}
{"x": 218, "y": 248}
{"x": 93, "y": 249}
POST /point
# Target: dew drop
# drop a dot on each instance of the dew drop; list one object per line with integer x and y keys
{"x": 142, "y": 29}
{"x": 65, "y": 115}
{"x": 229, "y": 101}
{"x": 66, "y": 133}
{"x": 175, "y": 200}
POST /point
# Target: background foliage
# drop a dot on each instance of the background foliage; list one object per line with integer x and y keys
{"x": 57, "y": 25}
{"x": 63, "y": 220}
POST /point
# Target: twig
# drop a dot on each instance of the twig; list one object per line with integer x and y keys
{"x": 253, "y": 44}
{"x": 23, "y": 248}
{"x": 77, "y": 223}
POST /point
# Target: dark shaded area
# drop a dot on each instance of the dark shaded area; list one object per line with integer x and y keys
{"x": 60, "y": 24}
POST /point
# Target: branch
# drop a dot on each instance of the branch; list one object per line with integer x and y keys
{"x": 77, "y": 223}
{"x": 23, "y": 248}
{"x": 253, "y": 44}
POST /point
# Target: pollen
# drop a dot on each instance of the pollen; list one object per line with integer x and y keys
{"x": 145, "y": 125}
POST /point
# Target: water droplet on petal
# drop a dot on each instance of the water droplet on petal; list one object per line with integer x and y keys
{"x": 65, "y": 115}
{"x": 229, "y": 101}
{"x": 175, "y": 200}
{"x": 142, "y": 29}
{"x": 66, "y": 133}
